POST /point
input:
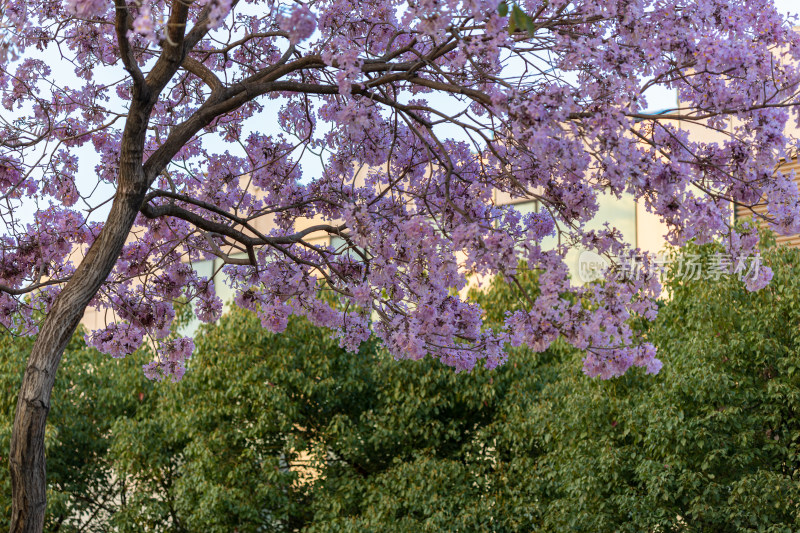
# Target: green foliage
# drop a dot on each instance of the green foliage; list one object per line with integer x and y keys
{"x": 91, "y": 392}
{"x": 289, "y": 432}
{"x": 519, "y": 19}
{"x": 710, "y": 444}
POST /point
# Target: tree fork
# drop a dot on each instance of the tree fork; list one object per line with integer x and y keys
{"x": 27, "y": 454}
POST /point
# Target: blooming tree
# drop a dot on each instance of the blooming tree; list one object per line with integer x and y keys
{"x": 396, "y": 121}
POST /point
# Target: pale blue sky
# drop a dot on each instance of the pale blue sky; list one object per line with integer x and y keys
{"x": 790, "y": 6}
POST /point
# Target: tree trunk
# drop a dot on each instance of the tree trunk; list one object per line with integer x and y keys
{"x": 27, "y": 458}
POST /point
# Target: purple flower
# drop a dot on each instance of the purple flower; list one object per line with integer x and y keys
{"x": 143, "y": 24}
{"x": 300, "y": 25}
{"x": 88, "y": 8}
{"x": 218, "y": 10}
{"x": 760, "y": 280}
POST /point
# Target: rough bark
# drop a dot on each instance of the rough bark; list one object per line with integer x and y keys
{"x": 27, "y": 455}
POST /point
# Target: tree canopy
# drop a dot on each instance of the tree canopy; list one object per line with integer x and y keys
{"x": 553, "y": 111}
{"x": 394, "y": 127}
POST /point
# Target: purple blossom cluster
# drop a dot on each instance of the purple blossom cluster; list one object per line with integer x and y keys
{"x": 367, "y": 96}
{"x": 87, "y": 8}
{"x": 300, "y": 24}
{"x": 171, "y": 361}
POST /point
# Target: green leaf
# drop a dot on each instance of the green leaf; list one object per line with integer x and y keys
{"x": 518, "y": 18}
{"x": 502, "y": 9}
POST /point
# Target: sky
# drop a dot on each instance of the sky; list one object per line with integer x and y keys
{"x": 789, "y": 6}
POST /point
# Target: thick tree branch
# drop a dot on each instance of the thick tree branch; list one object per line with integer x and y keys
{"x": 205, "y": 224}
{"x": 122, "y": 26}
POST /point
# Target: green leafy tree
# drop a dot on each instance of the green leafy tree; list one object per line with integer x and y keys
{"x": 708, "y": 445}
{"x": 308, "y": 437}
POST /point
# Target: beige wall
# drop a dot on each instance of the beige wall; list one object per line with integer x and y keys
{"x": 650, "y": 231}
